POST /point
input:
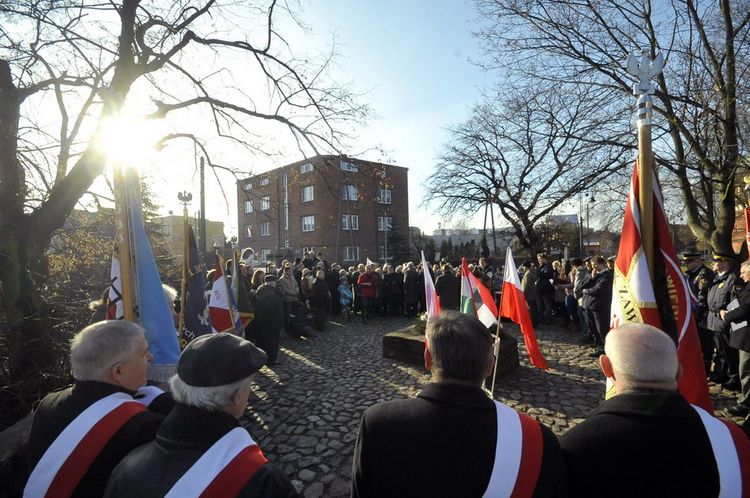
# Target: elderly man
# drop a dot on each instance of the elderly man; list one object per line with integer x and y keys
{"x": 201, "y": 449}
{"x": 453, "y": 439}
{"x": 79, "y": 434}
{"x": 647, "y": 440}
{"x": 739, "y": 338}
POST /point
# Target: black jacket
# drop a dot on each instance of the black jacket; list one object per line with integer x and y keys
{"x": 58, "y": 409}
{"x": 719, "y": 296}
{"x": 448, "y": 289}
{"x": 187, "y": 433}
{"x": 598, "y": 289}
{"x": 740, "y": 338}
{"x": 441, "y": 444}
{"x": 641, "y": 444}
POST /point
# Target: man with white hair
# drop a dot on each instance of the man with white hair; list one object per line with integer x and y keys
{"x": 79, "y": 434}
{"x": 201, "y": 449}
{"x": 647, "y": 440}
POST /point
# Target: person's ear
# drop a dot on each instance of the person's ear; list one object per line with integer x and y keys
{"x": 606, "y": 365}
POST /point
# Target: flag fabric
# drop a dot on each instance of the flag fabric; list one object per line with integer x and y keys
{"x": 431, "y": 300}
{"x": 153, "y": 312}
{"x": 194, "y": 318}
{"x": 513, "y": 305}
{"x": 476, "y": 299}
{"x": 115, "y": 305}
{"x": 245, "y": 306}
{"x": 633, "y": 299}
{"x": 747, "y": 226}
{"x": 370, "y": 262}
{"x": 221, "y": 307}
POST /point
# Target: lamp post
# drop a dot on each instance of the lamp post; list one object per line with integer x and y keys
{"x": 588, "y": 217}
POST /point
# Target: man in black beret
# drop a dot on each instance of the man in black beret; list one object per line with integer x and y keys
{"x": 700, "y": 277}
{"x": 201, "y": 449}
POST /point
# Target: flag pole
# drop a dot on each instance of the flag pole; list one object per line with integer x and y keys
{"x": 123, "y": 231}
{"x": 185, "y": 276}
{"x": 496, "y": 350}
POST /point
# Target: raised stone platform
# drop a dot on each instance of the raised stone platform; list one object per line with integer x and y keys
{"x": 407, "y": 346}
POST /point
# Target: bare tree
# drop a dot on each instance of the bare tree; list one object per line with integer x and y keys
{"x": 220, "y": 73}
{"x": 525, "y": 154}
{"x": 700, "y": 136}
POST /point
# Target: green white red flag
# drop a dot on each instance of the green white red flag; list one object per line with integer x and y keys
{"x": 476, "y": 299}
{"x": 633, "y": 296}
{"x": 513, "y": 305}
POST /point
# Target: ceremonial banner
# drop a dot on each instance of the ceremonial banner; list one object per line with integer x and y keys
{"x": 115, "y": 305}
{"x": 245, "y": 306}
{"x": 194, "y": 319}
{"x": 430, "y": 296}
{"x": 221, "y": 307}
{"x": 634, "y": 300}
{"x": 513, "y": 305}
{"x": 747, "y": 227}
{"x": 476, "y": 299}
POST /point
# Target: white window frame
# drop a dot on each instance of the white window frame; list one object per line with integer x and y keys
{"x": 247, "y": 186}
{"x": 266, "y": 255}
{"x": 384, "y": 195}
{"x": 265, "y": 203}
{"x": 347, "y": 166}
{"x": 307, "y": 249}
{"x": 310, "y": 189}
{"x": 306, "y": 168}
{"x": 308, "y": 223}
{"x": 383, "y": 256}
{"x": 350, "y": 222}
{"x": 265, "y": 229}
{"x": 248, "y": 231}
{"x": 265, "y": 181}
{"x": 385, "y": 223}
{"x": 351, "y": 253}
{"x": 349, "y": 192}
{"x": 248, "y": 207}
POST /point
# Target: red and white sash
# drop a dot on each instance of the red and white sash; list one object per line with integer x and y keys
{"x": 731, "y": 450}
{"x": 71, "y": 454}
{"x": 518, "y": 455}
{"x": 223, "y": 470}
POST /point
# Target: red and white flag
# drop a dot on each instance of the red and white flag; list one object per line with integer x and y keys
{"x": 513, "y": 305}
{"x": 476, "y": 299}
{"x": 430, "y": 296}
{"x": 221, "y": 307}
{"x": 633, "y": 296}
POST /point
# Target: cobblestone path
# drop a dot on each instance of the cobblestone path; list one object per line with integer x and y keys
{"x": 306, "y": 410}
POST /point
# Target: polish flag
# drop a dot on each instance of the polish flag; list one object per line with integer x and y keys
{"x": 221, "y": 308}
{"x": 513, "y": 305}
{"x": 431, "y": 299}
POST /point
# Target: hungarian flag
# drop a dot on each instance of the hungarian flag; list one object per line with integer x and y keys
{"x": 223, "y": 311}
{"x": 194, "y": 319}
{"x": 476, "y": 299}
{"x": 634, "y": 299}
{"x": 513, "y": 305}
{"x": 430, "y": 296}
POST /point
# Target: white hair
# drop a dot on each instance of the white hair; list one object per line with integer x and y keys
{"x": 641, "y": 353}
{"x": 100, "y": 346}
{"x": 213, "y": 398}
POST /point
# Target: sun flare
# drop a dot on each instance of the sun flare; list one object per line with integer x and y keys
{"x": 128, "y": 141}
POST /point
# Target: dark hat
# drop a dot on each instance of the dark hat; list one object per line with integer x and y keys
{"x": 687, "y": 256}
{"x": 587, "y": 259}
{"x": 611, "y": 258}
{"x": 269, "y": 278}
{"x": 219, "y": 359}
{"x": 526, "y": 263}
{"x": 722, "y": 256}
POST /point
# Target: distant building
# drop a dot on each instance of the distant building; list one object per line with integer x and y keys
{"x": 503, "y": 238}
{"x": 173, "y": 232}
{"x": 347, "y": 208}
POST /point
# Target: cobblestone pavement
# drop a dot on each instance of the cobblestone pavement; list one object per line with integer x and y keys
{"x": 306, "y": 410}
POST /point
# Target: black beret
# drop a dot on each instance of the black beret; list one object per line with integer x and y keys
{"x": 722, "y": 256}
{"x": 219, "y": 359}
{"x": 687, "y": 256}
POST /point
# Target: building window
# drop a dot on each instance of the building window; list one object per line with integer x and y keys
{"x": 264, "y": 181}
{"x": 306, "y": 250}
{"x": 247, "y": 186}
{"x": 384, "y": 223}
{"x": 308, "y": 223}
{"x": 349, "y": 192}
{"x": 384, "y": 195}
{"x": 381, "y": 173}
{"x": 384, "y": 255}
{"x": 265, "y": 203}
{"x": 248, "y": 231}
{"x": 265, "y": 229}
{"x": 308, "y": 193}
{"x": 347, "y": 166}
{"x": 266, "y": 255}
{"x": 351, "y": 253}
{"x": 350, "y": 222}
{"x": 305, "y": 168}
{"x": 248, "y": 207}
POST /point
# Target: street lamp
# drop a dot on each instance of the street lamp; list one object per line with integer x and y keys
{"x": 588, "y": 229}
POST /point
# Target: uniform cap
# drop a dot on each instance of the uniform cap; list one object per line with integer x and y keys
{"x": 722, "y": 256}
{"x": 688, "y": 256}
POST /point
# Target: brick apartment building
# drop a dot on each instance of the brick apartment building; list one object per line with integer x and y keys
{"x": 347, "y": 208}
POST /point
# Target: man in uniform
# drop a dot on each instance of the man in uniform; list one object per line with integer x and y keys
{"x": 720, "y": 294}
{"x": 453, "y": 439}
{"x": 647, "y": 440}
{"x": 598, "y": 290}
{"x": 79, "y": 434}
{"x": 700, "y": 277}
{"x": 201, "y": 449}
